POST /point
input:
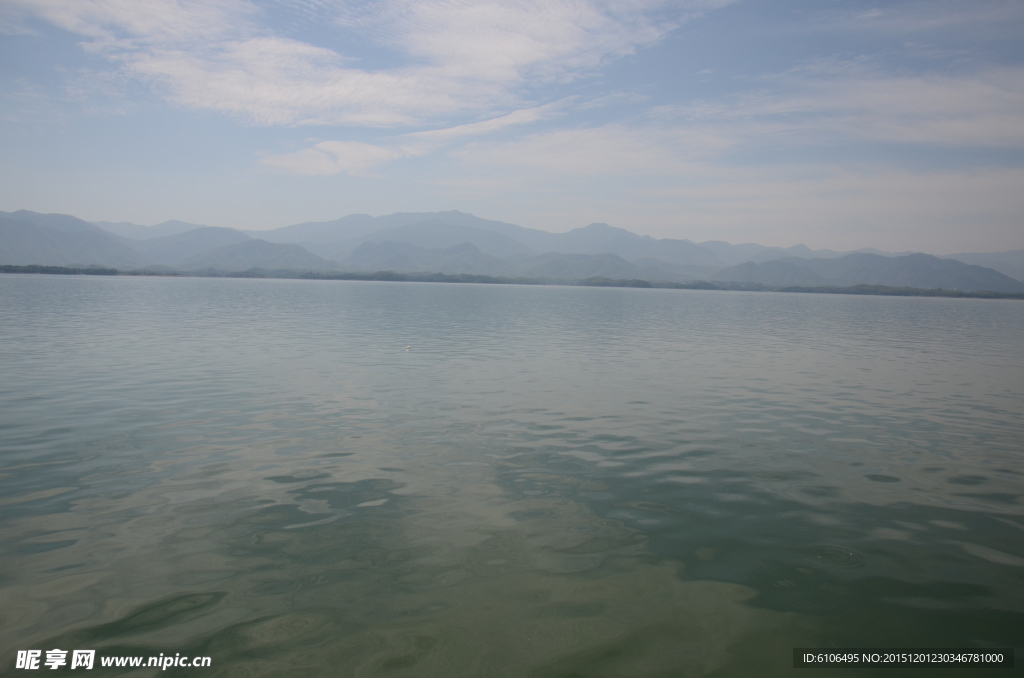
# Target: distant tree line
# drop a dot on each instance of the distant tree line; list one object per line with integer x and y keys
{"x": 59, "y": 270}
{"x": 601, "y": 281}
{"x": 391, "y": 276}
{"x": 595, "y": 281}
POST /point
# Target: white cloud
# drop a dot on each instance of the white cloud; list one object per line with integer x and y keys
{"x": 322, "y": 159}
{"x": 985, "y": 109}
{"x": 461, "y": 56}
{"x": 276, "y": 81}
{"x": 676, "y": 169}
{"x": 422, "y": 143}
{"x": 508, "y": 40}
{"x": 127, "y": 24}
{"x": 334, "y": 157}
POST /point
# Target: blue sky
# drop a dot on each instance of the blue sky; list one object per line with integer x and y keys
{"x": 833, "y": 123}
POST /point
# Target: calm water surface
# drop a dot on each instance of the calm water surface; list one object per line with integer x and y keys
{"x": 552, "y": 482}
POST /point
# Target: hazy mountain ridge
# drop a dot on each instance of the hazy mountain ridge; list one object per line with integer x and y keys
{"x": 127, "y": 229}
{"x": 54, "y": 222}
{"x": 913, "y": 270}
{"x": 467, "y": 259}
{"x": 403, "y": 257}
{"x": 252, "y": 253}
{"x": 1009, "y": 263}
{"x": 434, "y": 234}
{"x": 174, "y": 249}
{"x": 458, "y": 243}
{"x": 777, "y": 272}
{"x": 25, "y": 242}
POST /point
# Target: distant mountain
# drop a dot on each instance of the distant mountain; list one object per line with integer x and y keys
{"x": 678, "y": 252}
{"x": 341, "y": 237}
{"x": 467, "y": 258}
{"x": 437, "y": 230}
{"x": 136, "y": 232}
{"x": 124, "y": 229}
{"x": 579, "y": 266}
{"x": 321, "y": 232}
{"x": 406, "y": 258}
{"x": 25, "y": 243}
{"x": 439, "y": 235}
{"x": 1008, "y": 263}
{"x": 56, "y": 222}
{"x": 456, "y": 242}
{"x": 590, "y": 239}
{"x": 173, "y": 249}
{"x": 257, "y": 254}
{"x": 355, "y": 225}
{"x": 338, "y": 239}
{"x": 782, "y": 272}
{"x": 914, "y": 270}
{"x": 660, "y": 270}
{"x": 731, "y": 255}
{"x": 605, "y": 239}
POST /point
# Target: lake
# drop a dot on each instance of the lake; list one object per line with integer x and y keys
{"x": 550, "y": 481}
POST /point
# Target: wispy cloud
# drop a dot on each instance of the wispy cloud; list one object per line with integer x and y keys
{"x": 124, "y": 25}
{"x": 461, "y": 57}
{"x": 805, "y": 107}
{"x": 930, "y": 16}
{"x": 357, "y": 158}
{"x": 520, "y": 117}
{"x": 684, "y": 162}
{"x": 334, "y": 157}
{"x": 511, "y": 40}
{"x": 815, "y": 107}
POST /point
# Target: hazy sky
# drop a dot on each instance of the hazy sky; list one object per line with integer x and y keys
{"x": 833, "y": 123}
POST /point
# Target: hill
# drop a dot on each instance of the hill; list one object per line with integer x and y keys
{"x": 256, "y": 254}
{"x": 127, "y": 229}
{"x": 456, "y": 243}
{"x": 434, "y": 234}
{"x": 1008, "y": 263}
{"x": 65, "y": 241}
{"x": 173, "y": 249}
{"x": 914, "y": 270}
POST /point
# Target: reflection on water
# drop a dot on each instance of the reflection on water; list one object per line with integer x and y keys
{"x": 550, "y": 482}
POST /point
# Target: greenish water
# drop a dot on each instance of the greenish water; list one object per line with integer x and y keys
{"x": 552, "y": 482}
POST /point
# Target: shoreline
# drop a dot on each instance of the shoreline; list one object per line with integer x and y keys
{"x": 597, "y": 281}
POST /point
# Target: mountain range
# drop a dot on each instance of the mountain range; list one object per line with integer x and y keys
{"x": 455, "y": 242}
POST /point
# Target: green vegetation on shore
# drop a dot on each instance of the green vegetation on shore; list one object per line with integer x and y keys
{"x": 597, "y": 281}
{"x": 60, "y": 270}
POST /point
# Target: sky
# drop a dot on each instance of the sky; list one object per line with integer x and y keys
{"x": 836, "y": 124}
